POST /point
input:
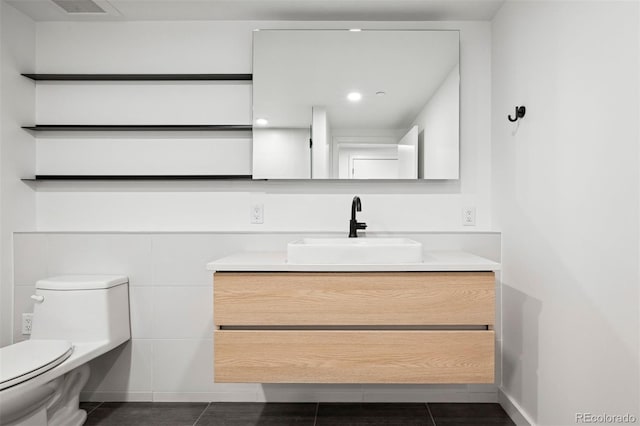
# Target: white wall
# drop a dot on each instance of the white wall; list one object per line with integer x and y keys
{"x": 6, "y": 289}
{"x": 565, "y": 184}
{"x": 439, "y": 124}
{"x": 192, "y": 47}
{"x": 170, "y": 356}
{"x": 17, "y": 149}
{"x": 192, "y": 102}
{"x": 328, "y": 155}
{"x": 131, "y": 153}
{"x": 198, "y": 153}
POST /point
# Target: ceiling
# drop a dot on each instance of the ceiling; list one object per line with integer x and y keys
{"x": 294, "y": 10}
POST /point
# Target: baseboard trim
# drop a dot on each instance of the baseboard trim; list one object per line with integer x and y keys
{"x": 514, "y": 410}
{"x": 204, "y": 396}
{"x": 294, "y": 395}
{"x": 116, "y": 396}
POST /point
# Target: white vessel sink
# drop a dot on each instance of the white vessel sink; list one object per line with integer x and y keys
{"x": 340, "y": 251}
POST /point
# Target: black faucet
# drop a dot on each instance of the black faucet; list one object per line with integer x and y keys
{"x": 354, "y": 225}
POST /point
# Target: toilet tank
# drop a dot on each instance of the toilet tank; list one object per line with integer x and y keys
{"x": 82, "y": 308}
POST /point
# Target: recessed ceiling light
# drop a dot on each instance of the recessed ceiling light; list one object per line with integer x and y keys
{"x": 354, "y": 96}
{"x": 355, "y": 30}
{"x": 262, "y": 121}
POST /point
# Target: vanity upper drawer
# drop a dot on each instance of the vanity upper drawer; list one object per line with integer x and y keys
{"x": 304, "y": 356}
{"x": 332, "y": 298}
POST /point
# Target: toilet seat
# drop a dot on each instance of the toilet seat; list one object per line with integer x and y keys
{"x": 22, "y": 361}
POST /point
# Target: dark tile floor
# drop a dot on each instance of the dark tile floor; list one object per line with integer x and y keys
{"x": 285, "y": 414}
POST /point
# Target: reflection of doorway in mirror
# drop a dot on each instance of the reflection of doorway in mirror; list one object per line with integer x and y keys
{"x": 374, "y": 168}
{"x": 391, "y": 156}
{"x": 346, "y": 152}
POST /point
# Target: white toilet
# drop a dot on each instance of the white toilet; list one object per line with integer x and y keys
{"x": 75, "y": 319}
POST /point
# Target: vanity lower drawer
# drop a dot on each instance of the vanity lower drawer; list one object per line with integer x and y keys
{"x": 304, "y": 356}
{"x": 376, "y": 298}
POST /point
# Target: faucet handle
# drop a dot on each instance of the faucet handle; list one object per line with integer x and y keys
{"x": 361, "y": 225}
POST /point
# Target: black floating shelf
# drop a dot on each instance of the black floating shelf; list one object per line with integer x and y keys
{"x": 138, "y": 177}
{"x": 140, "y": 77}
{"x": 146, "y": 127}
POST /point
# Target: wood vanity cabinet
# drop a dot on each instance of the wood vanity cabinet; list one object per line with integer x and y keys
{"x": 354, "y": 327}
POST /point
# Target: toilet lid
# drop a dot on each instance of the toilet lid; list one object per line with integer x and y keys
{"x": 24, "y": 360}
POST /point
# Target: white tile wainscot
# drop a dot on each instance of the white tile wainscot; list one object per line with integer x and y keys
{"x": 168, "y": 361}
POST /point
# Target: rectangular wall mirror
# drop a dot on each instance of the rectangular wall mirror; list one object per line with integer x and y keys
{"x": 350, "y": 104}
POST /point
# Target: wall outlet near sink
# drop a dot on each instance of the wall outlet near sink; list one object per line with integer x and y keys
{"x": 469, "y": 216}
{"x": 27, "y": 322}
{"x": 257, "y": 213}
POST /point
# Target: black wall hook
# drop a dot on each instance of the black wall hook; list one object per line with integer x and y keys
{"x": 520, "y": 111}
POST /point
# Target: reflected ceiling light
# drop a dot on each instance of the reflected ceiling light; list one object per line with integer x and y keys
{"x": 262, "y": 121}
{"x": 354, "y": 96}
{"x": 355, "y": 30}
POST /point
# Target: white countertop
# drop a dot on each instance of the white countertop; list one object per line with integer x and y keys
{"x": 277, "y": 261}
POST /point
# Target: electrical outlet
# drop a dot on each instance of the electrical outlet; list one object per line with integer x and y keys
{"x": 257, "y": 213}
{"x": 469, "y": 216}
{"x": 27, "y": 323}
